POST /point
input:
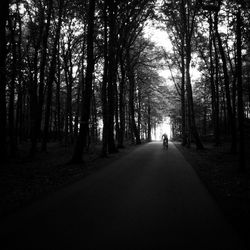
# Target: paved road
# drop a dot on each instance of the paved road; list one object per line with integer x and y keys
{"x": 148, "y": 199}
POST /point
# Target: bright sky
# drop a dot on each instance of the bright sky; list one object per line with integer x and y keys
{"x": 158, "y": 36}
{"x": 161, "y": 38}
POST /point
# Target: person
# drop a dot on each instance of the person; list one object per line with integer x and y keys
{"x": 165, "y": 140}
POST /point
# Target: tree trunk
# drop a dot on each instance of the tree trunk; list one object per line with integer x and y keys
{"x": 241, "y": 118}
{"x": 212, "y": 85}
{"x": 33, "y": 104}
{"x": 51, "y": 78}
{"x": 190, "y": 99}
{"x": 121, "y": 103}
{"x": 183, "y": 99}
{"x": 231, "y": 116}
{"x": 45, "y": 36}
{"x": 112, "y": 71}
{"x": 104, "y": 85}
{"x": 4, "y": 9}
{"x": 58, "y": 102}
{"x": 86, "y": 100}
{"x": 217, "y": 97}
{"x": 135, "y": 133}
{"x": 77, "y": 113}
{"x": 33, "y": 85}
{"x": 21, "y": 83}
{"x": 149, "y": 121}
{"x": 12, "y": 86}
{"x": 139, "y": 111}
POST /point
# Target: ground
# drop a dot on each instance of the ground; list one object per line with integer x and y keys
{"x": 218, "y": 169}
{"x": 150, "y": 198}
{"x": 23, "y": 180}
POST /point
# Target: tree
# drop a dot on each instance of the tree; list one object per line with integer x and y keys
{"x": 182, "y": 21}
{"x": 231, "y": 115}
{"x": 51, "y": 76}
{"x": 241, "y": 115}
{"x": 4, "y": 10}
{"x": 86, "y": 99}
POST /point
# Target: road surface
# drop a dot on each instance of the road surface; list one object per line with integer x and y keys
{"x": 150, "y": 198}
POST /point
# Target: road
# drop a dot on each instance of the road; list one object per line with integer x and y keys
{"x": 150, "y": 198}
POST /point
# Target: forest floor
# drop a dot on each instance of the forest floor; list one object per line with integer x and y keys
{"x": 24, "y": 179}
{"x": 218, "y": 169}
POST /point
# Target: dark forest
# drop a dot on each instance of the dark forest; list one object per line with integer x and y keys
{"x": 80, "y": 88}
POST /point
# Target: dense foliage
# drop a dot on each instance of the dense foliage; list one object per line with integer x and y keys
{"x": 82, "y": 72}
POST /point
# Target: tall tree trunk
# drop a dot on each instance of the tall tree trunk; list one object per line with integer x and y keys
{"x": 117, "y": 124}
{"x": 231, "y": 116}
{"x": 58, "y": 102}
{"x": 112, "y": 71}
{"x": 241, "y": 118}
{"x": 193, "y": 127}
{"x": 51, "y": 78}
{"x": 139, "y": 110}
{"x": 86, "y": 100}
{"x": 149, "y": 121}
{"x": 121, "y": 102}
{"x": 217, "y": 96}
{"x": 212, "y": 84}
{"x": 77, "y": 112}
{"x": 20, "y": 87}
{"x": 134, "y": 130}
{"x": 33, "y": 83}
{"x": 69, "y": 93}
{"x": 183, "y": 99}
{"x": 4, "y": 10}
{"x": 104, "y": 85}
{"x": 12, "y": 86}
{"x": 45, "y": 36}
{"x": 33, "y": 104}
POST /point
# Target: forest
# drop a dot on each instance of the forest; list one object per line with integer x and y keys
{"x": 81, "y": 82}
{"x": 83, "y": 73}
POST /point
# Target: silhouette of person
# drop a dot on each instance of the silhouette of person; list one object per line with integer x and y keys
{"x": 165, "y": 140}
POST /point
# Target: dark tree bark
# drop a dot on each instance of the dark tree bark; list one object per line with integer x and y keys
{"x": 139, "y": 100}
{"x": 231, "y": 115}
{"x": 112, "y": 71}
{"x": 68, "y": 71}
{"x": 4, "y": 10}
{"x": 188, "y": 22}
{"x": 149, "y": 121}
{"x": 241, "y": 117}
{"x": 33, "y": 81}
{"x": 193, "y": 127}
{"x": 51, "y": 78}
{"x": 183, "y": 99}
{"x": 12, "y": 87}
{"x": 134, "y": 130}
{"x": 104, "y": 84}
{"x": 77, "y": 113}
{"x": 214, "y": 100}
{"x": 21, "y": 83}
{"x": 217, "y": 96}
{"x": 33, "y": 101}
{"x": 86, "y": 100}
{"x": 58, "y": 102}
{"x": 44, "y": 46}
{"x": 121, "y": 102}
